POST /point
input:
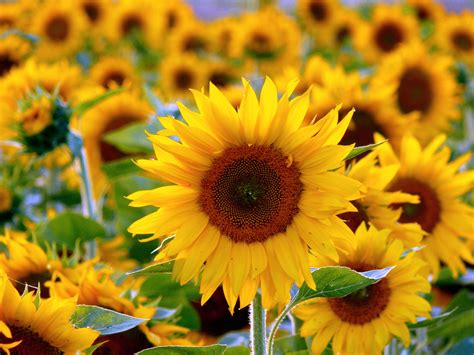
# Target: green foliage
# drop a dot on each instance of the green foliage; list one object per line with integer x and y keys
{"x": 216, "y": 349}
{"x": 68, "y": 227}
{"x": 289, "y": 344}
{"x": 103, "y": 320}
{"x": 131, "y": 139}
{"x": 362, "y": 149}
{"x": 84, "y": 106}
{"x": 165, "y": 267}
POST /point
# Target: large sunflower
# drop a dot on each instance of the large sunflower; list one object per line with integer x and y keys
{"x": 446, "y": 220}
{"x": 365, "y": 321}
{"x": 390, "y": 27}
{"x": 110, "y": 115}
{"x": 425, "y": 88}
{"x": 40, "y": 328}
{"x": 61, "y": 27}
{"x": 455, "y": 35}
{"x": 250, "y": 187}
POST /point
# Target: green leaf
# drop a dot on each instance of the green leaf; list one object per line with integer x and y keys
{"x": 121, "y": 167}
{"x": 465, "y": 346}
{"x": 84, "y": 106}
{"x": 165, "y": 267}
{"x": 362, "y": 149}
{"x": 430, "y": 322}
{"x": 216, "y": 349}
{"x": 165, "y": 313}
{"x": 339, "y": 281}
{"x": 68, "y": 227}
{"x": 132, "y": 138}
{"x": 289, "y": 344}
{"x": 103, "y": 320}
{"x": 237, "y": 350}
{"x": 456, "y": 327}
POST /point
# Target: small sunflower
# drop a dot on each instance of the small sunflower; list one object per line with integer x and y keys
{"x": 222, "y": 74}
{"x": 13, "y": 51}
{"x": 181, "y": 73}
{"x": 428, "y": 10}
{"x": 341, "y": 30}
{"x": 455, "y": 35}
{"x": 191, "y": 38}
{"x": 428, "y": 174}
{"x": 10, "y": 15}
{"x": 60, "y": 26}
{"x": 110, "y": 72}
{"x": 224, "y": 37}
{"x": 110, "y": 115}
{"x": 96, "y": 11}
{"x": 375, "y": 207}
{"x": 40, "y": 328}
{"x": 175, "y": 14}
{"x": 426, "y": 88}
{"x": 389, "y": 28}
{"x": 317, "y": 15}
{"x": 365, "y": 321}
{"x": 245, "y": 193}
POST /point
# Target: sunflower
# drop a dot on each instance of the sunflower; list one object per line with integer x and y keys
{"x": 317, "y": 15}
{"x": 13, "y": 51}
{"x": 455, "y": 35}
{"x": 191, "y": 38}
{"x": 222, "y": 74}
{"x": 249, "y": 187}
{"x": 129, "y": 18}
{"x": 446, "y": 220}
{"x": 375, "y": 207}
{"x": 224, "y": 34}
{"x": 389, "y": 28}
{"x": 180, "y": 73}
{"x": 425, "y": 88}
{"x": 427, "y": 10}
{"x": 60, "y": 26}
{"x": 40, "y": 326}
{"x": 110, "y": 115}
{"x": 112, "y": 71}
{"x": 364, "y": 321}
{"x": 175, "y": 14}
{"x": 26, "y": 262}
{"x": 10, "y": 15}
{"x": 96, "y": 11}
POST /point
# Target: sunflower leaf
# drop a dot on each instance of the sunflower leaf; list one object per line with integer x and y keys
{"x": 103, "y": 320}
{"x": 362, "y": 149}
{"x": 85, "y": 106}
{"x": 131, "y": 138}
{"x": 160, "y": 268}
{"x": 430, "y": 322}
{"x": 216, "y": 349}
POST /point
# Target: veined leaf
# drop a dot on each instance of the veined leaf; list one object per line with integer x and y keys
{"x": 132, "y": 138}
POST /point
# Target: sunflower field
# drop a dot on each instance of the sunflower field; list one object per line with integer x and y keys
{"x": 236, "y": 177}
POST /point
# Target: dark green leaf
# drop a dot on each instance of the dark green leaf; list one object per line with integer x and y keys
{"x": 81, "y": 108}
{"x": 165, "y": 267}
{"x": 288, "y": 344}
{"x": 361, "y": 150}
{"x": 120, "y": 168}
{"x": 455, "y": 327}
{"x": 430, "y": 322}
{"x": 132, "y": 138}
{"x": 68, "y": 227}
{"x": 185, "y": 350}
{"x": 103, "y": 320}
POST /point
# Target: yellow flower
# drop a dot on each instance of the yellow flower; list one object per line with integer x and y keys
{"x": 249, "y": 189}
{"x": 191, "y": 37}
{"x": 428, "y": 10}
{"x": 110, "y": 71}
{"x": 13, "y": 51}
{"x": 224, "y": 33}
{"x": 428, "y": 174}
{"x": 317, "y": 15}
{"x": 364, "y": 321}
{"x": 10, "y": 14}
{"x": 114, "y": 253}
{"x": 455, "y": 35}
{"x": 375, "y": 207}
{"x": 36, "y": 117}
{"x": 42, "y": 328}
{"x": 426, "y": 89}
{"x": 6, "y": 199}
{"x": 96, "y": 11}
{"x": 342, "y": 29}
{"x": 175, "y": 14}
{"x": 110, "y": 115}
{"x": 61, "y": 28}
{"x": 388, "y": 29}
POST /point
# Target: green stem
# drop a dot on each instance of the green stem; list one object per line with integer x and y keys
{"x": 258, "y": 326}
{"x": 276, "y": 325}
{"x": 89, "y": 207}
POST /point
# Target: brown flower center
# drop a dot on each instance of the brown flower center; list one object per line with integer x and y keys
{"x": 194, "y": 44}
{"x": 388, "y": 36}
{"x": 113, "y": 76}
{"x": 422, "y": 12}
{"x": 365, "y": 125}
{"x": 7, "y": 63}
{"x": 92, "y": 10}
{"x": 31, "y": 342}
{"x": 415, "y": 91}
{"x": 427, "y": 213}
{"x": 57, "y": 29}
{"x": 220, "y": 78}
{"x": 260, "y": 44}
{"x": 318, "y": 10}
{"x": 354, "y": 219}
{"x": 130, "y": 23}
{"x": 107, "y": 151}
{"x": 251, "y": 193}
{"x": 171, "y": 20}
{"x": 462, "y": 40}
{"x": 183, "y": 79}
{"x": 343, "y": 33}
{"x": 364, "y": 305}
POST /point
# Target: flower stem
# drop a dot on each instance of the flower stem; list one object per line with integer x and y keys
{"x": 257, "y": 326}
{"x": 276, "y": 325}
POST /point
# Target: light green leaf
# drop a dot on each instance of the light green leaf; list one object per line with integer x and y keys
{"x": 237, "y": 350}
{"x": 362, "y": 149}
{"x": 430, "y": 322}
{"x": 103, "y": 320}
{"x": 165, "y": 267}
{"x": 185, "y": 350}
{"x": 68, "y": 227}
{"x": 84, "y": 106}
{"x": 132, "y": 138}
{"x": 288, "y": 344}
{"x": 121, "y": 167}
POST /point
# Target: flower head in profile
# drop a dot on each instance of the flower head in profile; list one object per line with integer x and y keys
{"x": 364, "y": 321}
{"x": 252, "y": 191}
{"x": 447, "y": 221}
